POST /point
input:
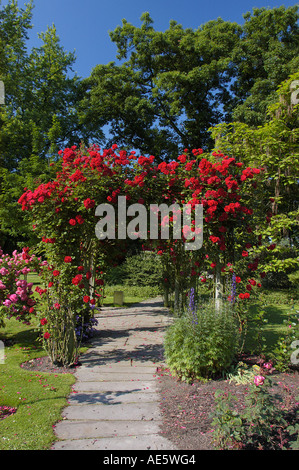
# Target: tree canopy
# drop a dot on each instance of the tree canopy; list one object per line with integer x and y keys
{"x": 41, "y": 91}
{"x": 168, "y": 88}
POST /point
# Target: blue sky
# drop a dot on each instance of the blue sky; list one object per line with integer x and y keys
{"x": 83, "y": 26}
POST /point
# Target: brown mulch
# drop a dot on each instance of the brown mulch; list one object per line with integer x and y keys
{"x": 44, "y": 364}
{"x": 186, "y": 408}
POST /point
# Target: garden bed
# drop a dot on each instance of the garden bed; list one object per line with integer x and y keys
{"x": 44, "y": 364}
{"x": 186, "y": 408}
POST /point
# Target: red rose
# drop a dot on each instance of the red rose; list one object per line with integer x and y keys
{"x": 56, "y": 273}
{"x": 86, "y": 299}
{"x": 68, "y": 259}
{"x": 214, "y": 239}
{"x": 47, "y": 335}
{"x": 77, "y": 279}
{"x": 89, "y": 203}
{"x": 244, "y": 296}
{"x": 72, "y": 222}
{"x": 88, "y": 275}
{"x": 238, "y": 279}
{"x": 244, "y": 253}
{"x": 79, "y": 219}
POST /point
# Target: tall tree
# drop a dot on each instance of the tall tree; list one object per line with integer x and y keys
{"x": 267, "y": 54}
{"x": 273, "y": 146}
{"x": 40, "y": 113}
{"x": 42, "y": 92}
{"x": 169, "y": 87}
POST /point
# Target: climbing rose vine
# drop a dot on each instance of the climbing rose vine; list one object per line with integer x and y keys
{"x": 63, "y": 215}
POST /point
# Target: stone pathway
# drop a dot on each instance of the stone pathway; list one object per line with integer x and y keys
{"x": 114, "y": 404}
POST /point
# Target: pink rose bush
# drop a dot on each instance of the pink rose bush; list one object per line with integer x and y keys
{"x": 16, "y": 294}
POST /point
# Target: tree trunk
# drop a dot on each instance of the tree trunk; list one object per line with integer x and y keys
{"x": 166, "y": 296}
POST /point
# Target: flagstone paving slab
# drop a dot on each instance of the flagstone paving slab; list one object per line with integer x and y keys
{"x": 121, "y": 412}
{"x": 113, "y": 397}
{"x": 148, "y": 442}
{"x": 87, "y": 429}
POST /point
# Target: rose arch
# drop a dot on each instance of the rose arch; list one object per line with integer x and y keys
{"x": 74, "y": 259}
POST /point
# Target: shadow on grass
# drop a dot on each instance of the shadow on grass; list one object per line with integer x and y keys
{"x": 27, "y": 338}
{"x": 273, "y": 330}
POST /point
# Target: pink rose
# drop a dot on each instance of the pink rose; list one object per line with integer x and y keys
{"x": 259, "y": 380}
{"x": 13, "y": 298}
{"x": 267, "y": 365}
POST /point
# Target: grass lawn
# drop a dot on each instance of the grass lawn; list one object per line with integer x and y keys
{"x": 38, "y": 397}
{"x": 279, "y": 307}
{"x": 132, "y": 294}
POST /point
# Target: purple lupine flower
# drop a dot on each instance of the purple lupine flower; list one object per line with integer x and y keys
{"x": 192, "y": 306}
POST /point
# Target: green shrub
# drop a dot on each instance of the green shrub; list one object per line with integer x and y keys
{"x": 202, "y": 344}
{"x": 143, "y": 269}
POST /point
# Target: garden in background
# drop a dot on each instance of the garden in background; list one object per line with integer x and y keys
{"x": 233, "y": 341}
